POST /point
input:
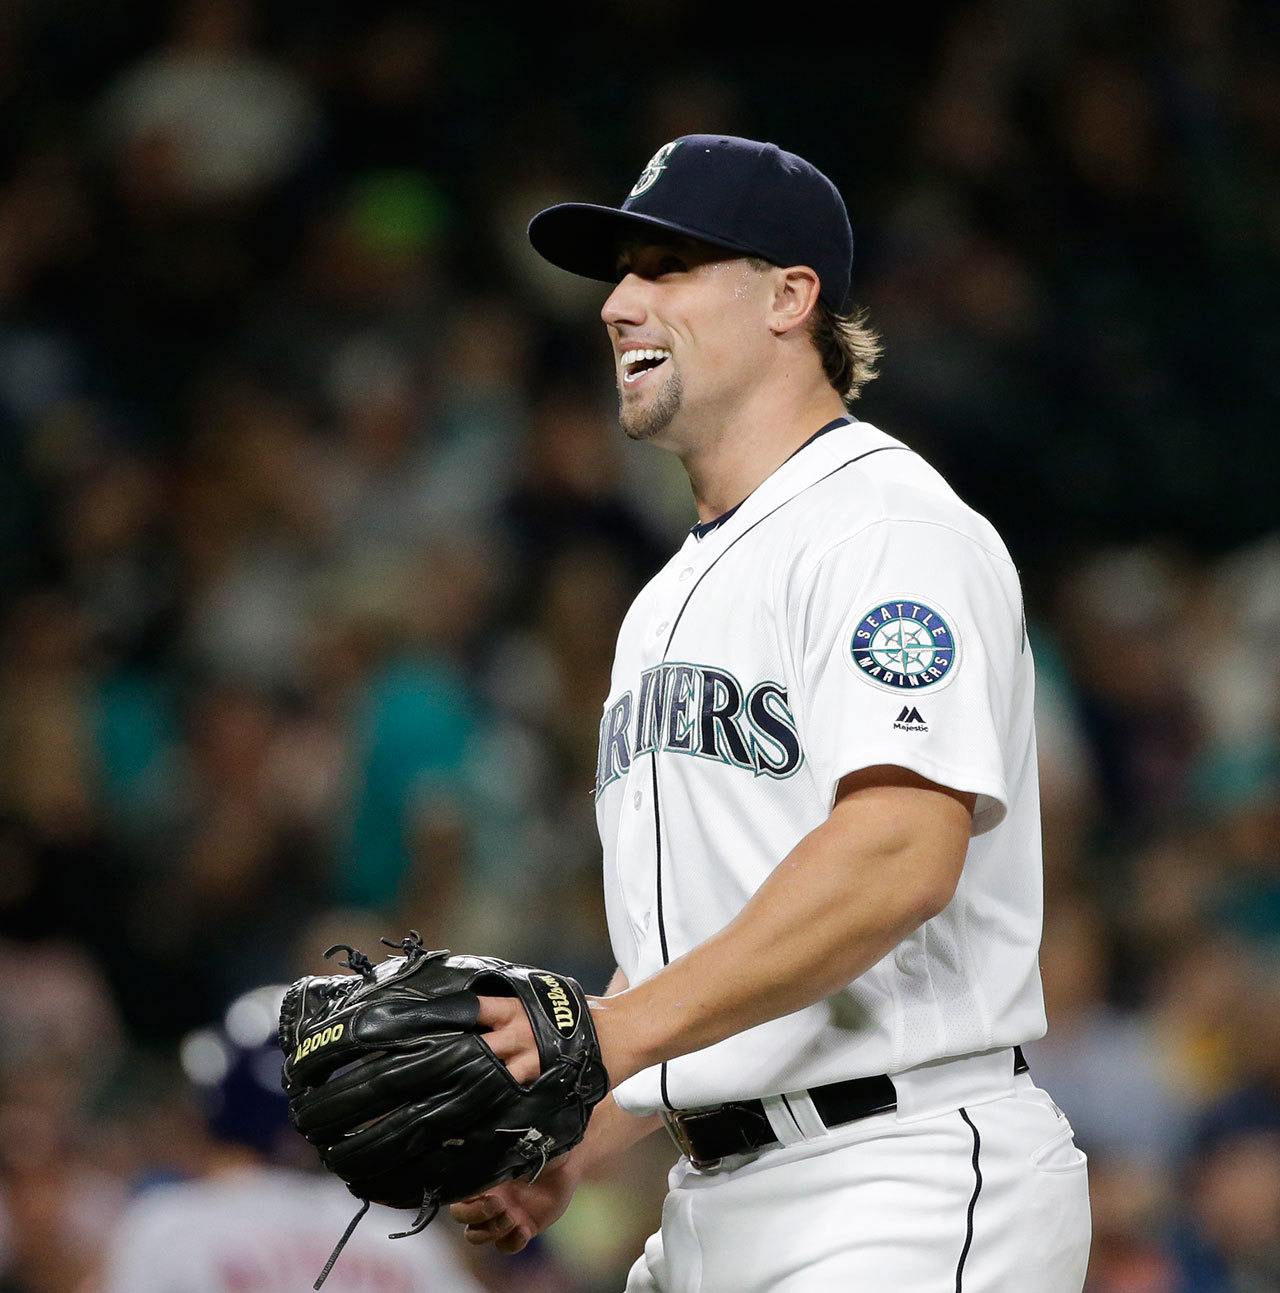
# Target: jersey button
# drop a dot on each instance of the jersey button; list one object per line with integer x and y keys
{"x": 685, "y": 573}
{"x": 637, "y": 799}
{"x": 662, "y": 628}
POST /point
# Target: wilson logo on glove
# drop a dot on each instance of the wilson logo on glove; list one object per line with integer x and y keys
{"x": 556, "y": 1003}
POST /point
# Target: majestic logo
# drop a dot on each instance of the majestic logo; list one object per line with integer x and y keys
{"x": 657, "y": 164}
{"x": 910, "y": 720}
{"x": 903, "y": 645}
{"x": 558, "y": 1006}
{"x": 701, "y": 711}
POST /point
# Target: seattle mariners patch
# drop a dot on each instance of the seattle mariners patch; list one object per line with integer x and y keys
{"x": 903, "y": 645}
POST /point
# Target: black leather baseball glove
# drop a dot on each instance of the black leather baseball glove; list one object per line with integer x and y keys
{"x": 389, "y": 1077}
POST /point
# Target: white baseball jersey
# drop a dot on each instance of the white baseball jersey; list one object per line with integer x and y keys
{"x": 267, "y": 1230}
{"x": 851, "y": 612}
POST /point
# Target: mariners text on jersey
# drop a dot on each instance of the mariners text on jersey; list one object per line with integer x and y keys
{"x": 702, "y": 711}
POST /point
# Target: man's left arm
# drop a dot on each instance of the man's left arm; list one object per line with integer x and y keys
{"x": 887, "y": 859}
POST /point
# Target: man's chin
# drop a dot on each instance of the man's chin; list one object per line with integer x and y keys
{"x": 644, "y": 415}
{"x": 634, "y": 422}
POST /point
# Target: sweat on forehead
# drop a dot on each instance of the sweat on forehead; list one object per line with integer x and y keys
{"x": 628, "y": 248}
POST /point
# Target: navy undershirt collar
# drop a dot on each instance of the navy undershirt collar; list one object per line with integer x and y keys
{"x": 703, "y": 528}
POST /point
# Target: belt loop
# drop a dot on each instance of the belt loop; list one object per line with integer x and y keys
{"x": 804, "y": 1111}
{"x": 781, "y": 1119}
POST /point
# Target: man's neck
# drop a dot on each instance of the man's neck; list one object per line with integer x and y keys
{"x": 751, "y": 446}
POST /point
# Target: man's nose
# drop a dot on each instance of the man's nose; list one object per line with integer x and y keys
{"x": 626, "y": 303}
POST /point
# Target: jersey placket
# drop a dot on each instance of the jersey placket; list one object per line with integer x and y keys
{"x": 630, "y": 871}
{"x": 680, "y": 585}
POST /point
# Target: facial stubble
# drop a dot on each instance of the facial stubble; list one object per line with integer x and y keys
{"x": 655, "y": 414}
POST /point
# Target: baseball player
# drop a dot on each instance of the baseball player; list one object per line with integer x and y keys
{"x": 251, "y": 1224}
{"x": 816, "y": 793}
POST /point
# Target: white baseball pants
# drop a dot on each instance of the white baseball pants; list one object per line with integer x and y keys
{"x": 988, "y": 1197}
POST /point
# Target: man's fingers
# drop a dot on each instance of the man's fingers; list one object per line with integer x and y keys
{"x": 503, "y": 1042}
{"x": 512, "y": 1045}
{"x": 525, "y": 1069}
{"x": 488, "y": 1222}
{"x": 494, "y": 1012}
{"x": 474, "y": 1211}
{"x": 523, "y": 1063}
{"x": 490, "y": 1231}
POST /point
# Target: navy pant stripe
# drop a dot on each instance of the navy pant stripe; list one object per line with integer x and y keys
{"x": 973, "y": 1201}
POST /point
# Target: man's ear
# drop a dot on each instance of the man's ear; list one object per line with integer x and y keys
{"x": 795, "y": 297}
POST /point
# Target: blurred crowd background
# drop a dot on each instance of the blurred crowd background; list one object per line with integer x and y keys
{"x": 316, "y": 529}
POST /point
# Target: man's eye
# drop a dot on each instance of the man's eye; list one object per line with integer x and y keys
{"x": 671, "y": 265}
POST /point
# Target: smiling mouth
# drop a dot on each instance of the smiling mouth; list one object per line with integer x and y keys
{"x": 635, "y": 363}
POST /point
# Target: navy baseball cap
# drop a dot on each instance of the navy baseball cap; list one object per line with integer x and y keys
{"x": 739, "y": 194}
{"x": 235, "y": 1072}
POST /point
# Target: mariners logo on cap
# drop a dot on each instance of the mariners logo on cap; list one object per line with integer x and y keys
{"x": 657, "y": 164}
{"x": 903, "y": 645}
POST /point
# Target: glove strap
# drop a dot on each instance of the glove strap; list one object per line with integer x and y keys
{"x": 341, "y": 1244}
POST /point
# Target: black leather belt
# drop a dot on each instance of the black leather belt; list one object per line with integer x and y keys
{"x": 705, "y": 1136}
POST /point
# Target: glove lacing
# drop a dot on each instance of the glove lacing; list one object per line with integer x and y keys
{"x": 342, "y": 1243}
{"x": 356, "y": 960}
{"x": 426, "y": 1215}
{"x": 413, "y": 947}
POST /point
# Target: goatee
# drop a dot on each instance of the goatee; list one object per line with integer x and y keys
{"x": 655, "y": 415}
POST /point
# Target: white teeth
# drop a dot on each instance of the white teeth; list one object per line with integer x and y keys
{"x": 635, "y": 356}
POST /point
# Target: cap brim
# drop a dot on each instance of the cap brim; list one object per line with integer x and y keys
{"x": 586, "y": 239}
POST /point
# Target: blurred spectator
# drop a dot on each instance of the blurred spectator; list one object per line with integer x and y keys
{"x": 208, "y": 119}
{"x": 1231, "y": 1238}
{"x": 316, "y": 529}
{"x": 256, "y": 536}
{"x": 415, "y": 719}
{"x": 571, "y": 495}
{"x": 61, "y": 1033}
{"x": 252, "y": 1218}
{"x": 1131, "y": 1204}
{"x": 1104, "y": 1067}
{"x": 1124, "y": 614}
{"x": 1233, "y": 1241}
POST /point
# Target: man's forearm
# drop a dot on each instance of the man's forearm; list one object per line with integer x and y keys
{"x": 828, "y": 912}
{"x": 610, "y": 1131}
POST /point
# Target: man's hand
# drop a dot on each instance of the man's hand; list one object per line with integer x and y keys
{"x": 510, "y": 1036}
{"x": 509, "y": 1215}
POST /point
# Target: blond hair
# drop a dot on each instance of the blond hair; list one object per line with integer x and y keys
{"x": 847, "y": 345}
{"x": 848, "y": 348}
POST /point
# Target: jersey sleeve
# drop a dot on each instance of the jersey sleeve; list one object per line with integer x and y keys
{"x": 909, "y": 646}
